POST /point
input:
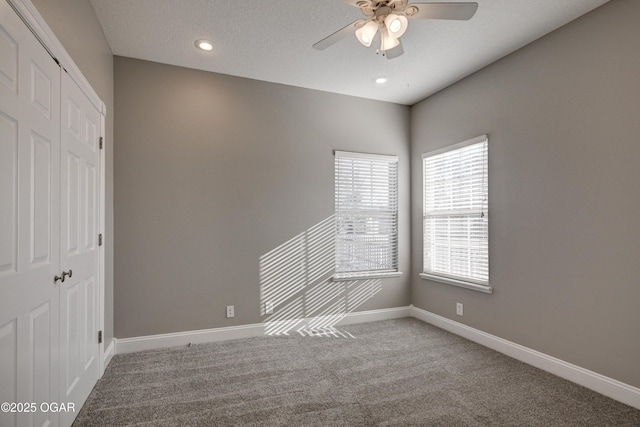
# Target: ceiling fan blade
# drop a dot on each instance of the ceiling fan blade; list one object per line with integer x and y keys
{"x": 337, "y": 36}
{"x": 395, "y": 52}
{"x": 458, "y": 11}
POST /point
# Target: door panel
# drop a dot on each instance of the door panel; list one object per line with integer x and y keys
{"x": 89, "y": 214}
{"x": 8, "y": 194}
{"x": 41, "y": 349}
{"x": 9, "y": 369}
{"x": 89, "y": 321}
{"x": 41, "y": 183}
{"x": 72, "y": 217}
{"x": 41, "y": 90}
{"x": 8, "y": 59}
{"x": 71, "y": 371}
{"x": 79, "y": 252}
{"x": 29, "y": 225}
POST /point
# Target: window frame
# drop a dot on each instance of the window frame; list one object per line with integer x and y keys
{"x": 393, "y": 271}
{"x": 467, "y": 282}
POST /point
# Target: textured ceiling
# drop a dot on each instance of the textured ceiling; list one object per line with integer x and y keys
{"x": 271, "y": 40}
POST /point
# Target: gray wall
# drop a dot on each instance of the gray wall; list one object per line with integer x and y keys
{"x": 76, "y": 26}
{"x": 564, "y": 145}
{"x": 214, "y": 171}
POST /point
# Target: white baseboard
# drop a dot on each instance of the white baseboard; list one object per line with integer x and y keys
{"x": 108, "y": 355}
{"x": 149, "y": 342}
{"x": 599, "y": 383}
{"x": 128, "y": 345}
{"x": 375, "y": 315}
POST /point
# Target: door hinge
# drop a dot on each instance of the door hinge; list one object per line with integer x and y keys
{"x": 99, "y": 337}
{"x": 101, "y": 142}
{"x": 100, "y": 239}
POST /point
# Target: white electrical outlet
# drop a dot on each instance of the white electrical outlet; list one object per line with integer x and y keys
{"x": 230, "y": 311}
{"x": 459, "y": 309}
{"x": 268, "y": 307}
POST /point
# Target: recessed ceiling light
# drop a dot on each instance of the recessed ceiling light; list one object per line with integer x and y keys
{"x": 204, "y": 44}
{"x": 380, "y": 80}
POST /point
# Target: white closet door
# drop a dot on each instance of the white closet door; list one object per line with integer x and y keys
{"x": 79, "y": 251}
{"x": 29, "y": 222}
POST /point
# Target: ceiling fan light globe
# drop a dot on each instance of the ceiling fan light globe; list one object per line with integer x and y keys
{"x": 388, "y": 41}
{"x": 396, "y": 24}
{"x": 366, "y": 33}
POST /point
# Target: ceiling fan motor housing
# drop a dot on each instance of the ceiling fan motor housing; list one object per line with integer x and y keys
{"x": 379, "y": 8}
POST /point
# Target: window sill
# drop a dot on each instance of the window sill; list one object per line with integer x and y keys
{"x": 459, "y": 283}
{"x": 364, "y": 276}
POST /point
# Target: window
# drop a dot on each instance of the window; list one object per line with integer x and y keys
{"x": 455, "y": 215}
{"x": 366, "y": 204}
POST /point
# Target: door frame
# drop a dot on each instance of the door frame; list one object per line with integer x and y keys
{"x": 38, "y": 26}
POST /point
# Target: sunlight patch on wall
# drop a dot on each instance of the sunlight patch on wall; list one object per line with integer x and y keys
{"x": 295, "y": 280}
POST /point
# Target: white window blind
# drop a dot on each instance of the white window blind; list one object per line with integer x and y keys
{"x": 366, "y": 205}
{"x": 455, "y": 221}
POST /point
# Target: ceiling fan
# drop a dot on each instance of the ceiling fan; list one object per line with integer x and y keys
{"x": 390, "y": 17}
